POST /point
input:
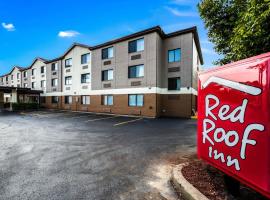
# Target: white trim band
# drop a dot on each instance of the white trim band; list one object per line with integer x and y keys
{"x": 144, "y": 90}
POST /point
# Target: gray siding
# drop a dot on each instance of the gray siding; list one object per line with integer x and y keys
{"x": 121, "y": 62}
{"x": 184, "y": 42}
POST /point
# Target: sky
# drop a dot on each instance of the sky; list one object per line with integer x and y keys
{"x": 47, "y": 28}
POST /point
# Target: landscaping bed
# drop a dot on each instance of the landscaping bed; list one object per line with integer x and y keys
{"x": 210, "y": 182}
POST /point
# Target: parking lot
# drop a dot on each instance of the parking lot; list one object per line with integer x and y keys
{"x": 68, "y": 155}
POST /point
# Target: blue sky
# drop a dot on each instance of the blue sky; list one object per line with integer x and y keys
{"x": 46, "y": 28}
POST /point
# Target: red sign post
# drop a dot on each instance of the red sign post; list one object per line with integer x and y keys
{"x": 233, "y": 120}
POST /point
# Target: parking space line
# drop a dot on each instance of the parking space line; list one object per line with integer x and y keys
{"x": 93, "y": 120}
{"x": 126, "y": 122}
{"x": 77, "y": 117}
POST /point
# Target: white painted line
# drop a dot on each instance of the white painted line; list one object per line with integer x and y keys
{"x": 93, "y": 120}
{"x": 77, "y": 117}
{"x": 234, "y": 85}
{"x": 126, "y": 122}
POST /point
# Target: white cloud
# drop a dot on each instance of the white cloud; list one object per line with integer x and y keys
{"x": 68, "y": 33}
{"x": 179, "y": 13}
{"x": 208, "y": 51}
{"x": 8, "y": 27}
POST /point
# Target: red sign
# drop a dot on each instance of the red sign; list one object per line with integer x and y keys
{"x": 233, "y": 120}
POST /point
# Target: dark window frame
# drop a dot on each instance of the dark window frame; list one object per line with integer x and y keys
{"x": 85, "y": 78}
{"x": 174, "y": 61}
{"x": 67, "y": 66}
{"x": 105, "y": 75}
{"x": 134, "y": 66}
{"x": 53, "y": 66}
{"x": 105, "y": 53}
{"x": 136, "y": 100}
{"x": 83, "y": 63}
{"x": 42, "y": 69}
{"x": 172, "y": 86}
{"x": 67, "y": 98}
{"x": 133, "y": 46}
{"x": 66, "y": 78}
{"x": 55, "y": 99}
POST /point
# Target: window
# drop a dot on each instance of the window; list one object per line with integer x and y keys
{"x": 55, "y": 99}
{"x": 136, "y": 71}
{"x": 42, "y": 70}
{"x": 68, "y": 99}
{"x": 54, "y": 66}
{"x": 174, "y": 55}
{"x": 135, "y": 100}
{"x": 42, "y": 83}
{"x": 107, "y": 100}
{"x": 43, "y": 100}
{"x": 33, "y": 72}
{"x": 25, "y": 74}
{"x": 34, "y": 85}
{"x": 107, "y": 53}
{"x": 174, "y": 83}
{"x": 7, "y": 78}
{"x": 18, "y": 85}
{"x": 107, "y": 75}
{"x": 25, "y": 85}
{"x": 85, "y": 78}
{"x": 18, "y": 75}
{"x": 68, "y": 80}
{"x": 85, "y": 58}
{"x": 54, "y": 82}
{"x": 85, "y": 100}
{"x": 12, "y": 77}
{"x": 136, "y": 45}
{"x": 68, "y": 62}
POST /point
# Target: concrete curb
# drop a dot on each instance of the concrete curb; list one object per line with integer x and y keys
{"x": 188, "y": 191}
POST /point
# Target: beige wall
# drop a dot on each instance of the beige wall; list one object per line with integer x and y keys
{"x": 75, "y": 71}
{"x": 38, "y": 77}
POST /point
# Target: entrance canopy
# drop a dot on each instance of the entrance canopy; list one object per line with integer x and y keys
{"x": 19, "y": 90}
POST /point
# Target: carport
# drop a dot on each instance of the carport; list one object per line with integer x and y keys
{"x": 9, "y": 95}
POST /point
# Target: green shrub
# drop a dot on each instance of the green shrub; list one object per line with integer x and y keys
{"x": 25, "y": 106}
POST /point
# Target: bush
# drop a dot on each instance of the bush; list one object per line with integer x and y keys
{"x": 25, "y": 106}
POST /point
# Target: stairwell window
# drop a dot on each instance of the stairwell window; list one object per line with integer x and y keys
{"x": 136, "y": 45}
{"x": 107, "y": 100}
{"x": 174, "y": 55}
{"x": 135, "y": 100}
{"x": 68, "y": 99}
{"x": 136, "y": 71}
{"x": 174, "y": 83}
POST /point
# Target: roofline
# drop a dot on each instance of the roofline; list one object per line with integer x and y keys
{"x": 163, "y": 35}
{"x": 156, "y": 29}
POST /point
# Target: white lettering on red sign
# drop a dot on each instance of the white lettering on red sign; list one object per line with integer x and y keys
{"x": 231, "y": 138}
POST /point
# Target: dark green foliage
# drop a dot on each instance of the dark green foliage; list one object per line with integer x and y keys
{"x": 238, "y": 28}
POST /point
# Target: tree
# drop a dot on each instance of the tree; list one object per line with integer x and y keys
{"x": 238, "y": 28}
